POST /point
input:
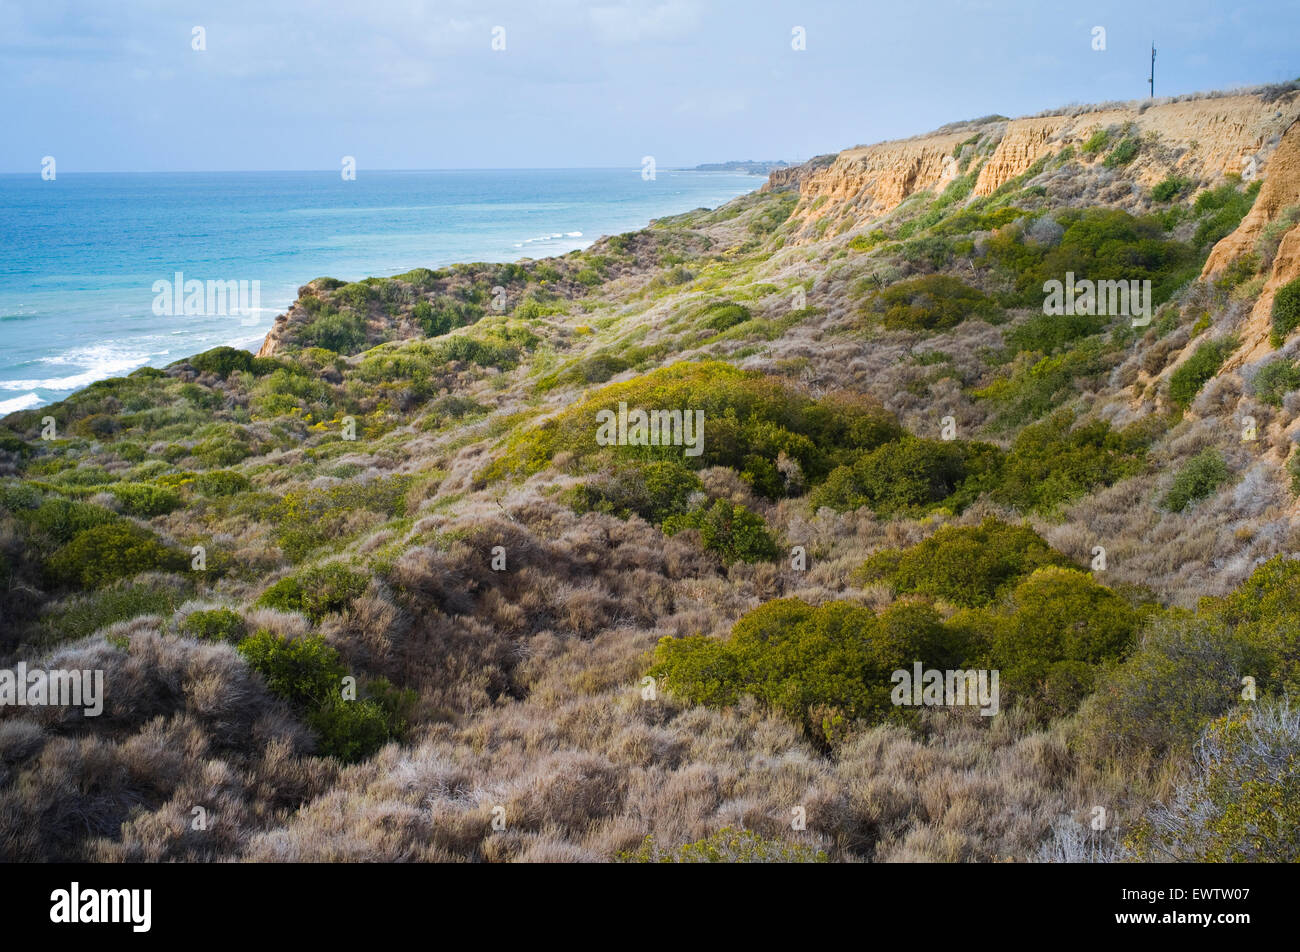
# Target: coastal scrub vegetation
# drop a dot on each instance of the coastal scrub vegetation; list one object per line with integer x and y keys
{"x": 345, "y": 570}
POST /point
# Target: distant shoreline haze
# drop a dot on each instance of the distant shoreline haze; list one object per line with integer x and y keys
{"x": 86, "y": 249}
{"x": 62, "y": 171}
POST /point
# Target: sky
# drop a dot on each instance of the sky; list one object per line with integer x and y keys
{"x": 117, "y": 85}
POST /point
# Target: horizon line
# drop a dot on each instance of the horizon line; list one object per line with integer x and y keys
{"x": 334, "y": 171}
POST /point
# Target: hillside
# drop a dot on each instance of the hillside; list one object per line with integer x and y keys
{"x": 566, "y": 650}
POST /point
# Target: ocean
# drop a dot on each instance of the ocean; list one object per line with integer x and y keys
{"x": 82, "y": 252}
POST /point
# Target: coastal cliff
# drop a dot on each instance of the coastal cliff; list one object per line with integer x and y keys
{"x": 1205, "y": 138}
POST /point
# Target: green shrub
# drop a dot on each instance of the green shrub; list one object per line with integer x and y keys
{"x": 934, "y": 251}
{"x": 1239, "y": 271}
{"x": 1096, "y": 142}
{"x": 317, "y": 592}
{"x": 58, "y": 520}
{"x": 222, "y": 361}
{"x": 307, "y": 673}
{"x": 911, "y": 476}
{"x": 225, "y": 447}
{"x": 1185, "y": 671}
{"x": 1222, "y": 210}
{"x": 356, "y": 295}
{"x": 822, "y": 667}
{"x": 1276, "y": 379}
{"x": 728, "y": 845}
{"x": 510, "y": 273}
{"x": 749, "y": 421}
{"x": 976, "y": 218}
{"x": 1098, "y": 244}
{"x": 105, "y": 553}
{"x": 1286, "y": 311}
{"x": 201, "y": 397}
{"x": 1062, "y": 626}
{"x": 1051, "y": 463}
{"x": 932, "y": 302}
{"x": 221, "y": 482}
{"x": 1123, "y": 153}
{"x": 1265, "y": 615}
{"x": 956, "y": 190}
{"x": 353, "y": 730}
{"x": 422, "y": 278}
{"x": 84, "y": 475}
{"x": 85, "y": 613}
{"x": 145, "y": 500}
{"x": 1242, "y": 801}
{"x": 530, "y": 309}
{"x": 1170, "y": 188}
{"x": 722, "y": 315}
{"x": 596, "y": 369}
{"x": 470, "y": 351}
{"x": 772, "y": 217}
{"x": 448, "y": 315}
{"x": 286, "y": 389}
{"x": 654, "y": 491}
{"x": 868, "y": 241}
{"x": 16, "y": 496}
{"x": 217, "y": 624}
{"x": 731, "y": 530}
{"x": 306, "y": 519}
{"x": 964, "y": 565}
{"x": 417, "y": 360}
{"x": 97, "y": 426}
{"x": 1048, "y": 333}
{"x": 343, "y": 332}
{"x": 1188, "y": 378}
{"x": 1199, "y": 477}
{"x": 350, "y": 730}
{"x": 13, "y": 444}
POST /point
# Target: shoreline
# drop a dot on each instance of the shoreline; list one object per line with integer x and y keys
{"x": 77, "y": 360}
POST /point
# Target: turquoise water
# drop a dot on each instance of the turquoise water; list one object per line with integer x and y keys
{"x": 82, "y": 253}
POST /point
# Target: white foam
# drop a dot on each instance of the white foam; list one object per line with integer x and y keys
{"x": 25, "y": 402}
{"x": 100, "y": 360}
{"x": 553, "y": 236}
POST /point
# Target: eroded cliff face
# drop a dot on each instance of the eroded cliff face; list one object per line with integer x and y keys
{"x": 1024, "y": 143}
{"x": 1202, "y": 139}
{"x": 877, "y": 178}
{"x": 1281, "y": 189}
{"x": 796, "y": 174}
